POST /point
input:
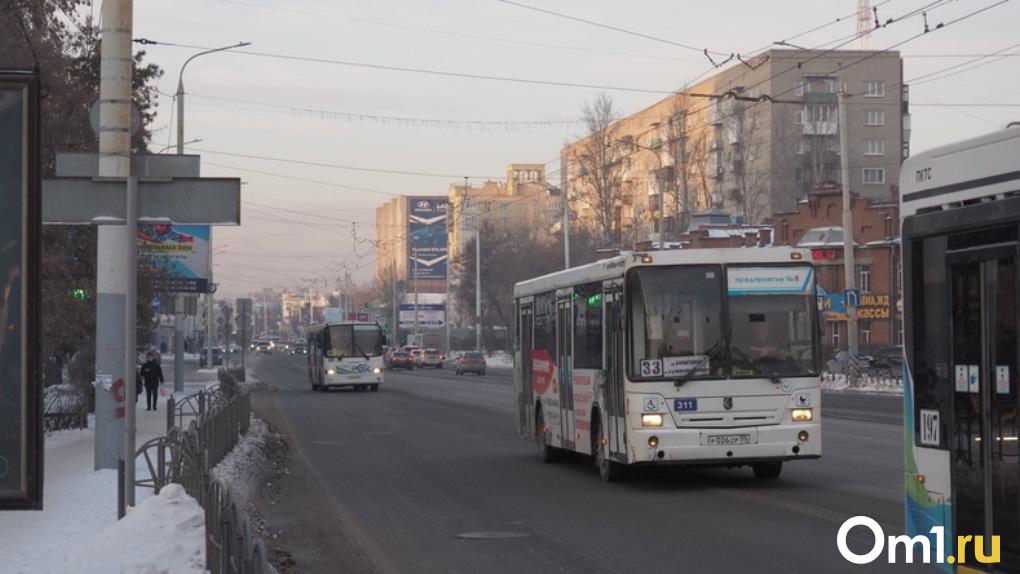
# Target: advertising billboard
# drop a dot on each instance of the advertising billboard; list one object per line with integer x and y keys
{"x": 427, "y": 244}
{"x": 20, "y": 222}
{"x": 177, "y": 256}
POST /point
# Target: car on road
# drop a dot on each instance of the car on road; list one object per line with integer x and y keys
{"x": 298, "y": 349}
{"x": 217, "y": 357}
{"x": 264, "y": 348}
{"x": 430, "y": 358}
{"x": 416, "y": 356}
{"x": 401, "y": 360}
{"x": 471, "y": 363}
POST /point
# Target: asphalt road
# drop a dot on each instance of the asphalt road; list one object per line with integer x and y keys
{"x": 432, "y": 471}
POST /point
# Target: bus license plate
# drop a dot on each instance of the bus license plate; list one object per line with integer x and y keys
{"x": 728, "y": 439}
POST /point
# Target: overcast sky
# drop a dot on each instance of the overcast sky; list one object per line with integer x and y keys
{"x": 484, "y": 37}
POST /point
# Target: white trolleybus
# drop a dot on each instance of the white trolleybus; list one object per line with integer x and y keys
{"x": 702, "y": 357}
{"x": 960, "y": 206}
{"x": 345, "y": 354}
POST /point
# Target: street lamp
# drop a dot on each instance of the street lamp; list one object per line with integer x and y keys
{"x": 180, "y": 151}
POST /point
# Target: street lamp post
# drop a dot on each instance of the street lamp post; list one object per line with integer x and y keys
{"x": 178, "y": 365}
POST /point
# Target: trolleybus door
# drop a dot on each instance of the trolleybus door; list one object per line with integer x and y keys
{"x": 983, "y": 429}
{"x": 615, "y": 407}
{"x": 565, "y": 364}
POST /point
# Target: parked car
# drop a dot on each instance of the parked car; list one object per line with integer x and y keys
{"x": 889, "y": 359}
{"x": 264, "y": 348}
{"x": 401, "y": 360}
{"x": 430, "y": 358}
{"x": 471, "y": 363}
{"x": 217, "y": 357}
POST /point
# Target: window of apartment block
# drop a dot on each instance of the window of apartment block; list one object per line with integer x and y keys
{"x": 865, "y": 330}
{"x": 864, "y": 278}
{"x": 798, "y": 117}
{"x": 874, "y": 147}
{"x": 874, "y": 89}
{"x": 874, "y": 175}
{"x": 874, "y": 118}
{"x": 834, "y": 327}
{"x": 803, "y": 146}
{"x": 799, "y": 90}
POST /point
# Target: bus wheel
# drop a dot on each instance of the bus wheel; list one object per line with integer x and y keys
{"x": 546, "y": 452}
{"x": 609, "y": 470}
{"x": 375, "y": 388}
{"x": 767, "y": 470}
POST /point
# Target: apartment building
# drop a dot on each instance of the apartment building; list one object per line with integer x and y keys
{"x": 752, "y": 140}
{"x": 523, "y": 202}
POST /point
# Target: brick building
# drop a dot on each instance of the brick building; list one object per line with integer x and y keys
{"x": 817, "y": 225}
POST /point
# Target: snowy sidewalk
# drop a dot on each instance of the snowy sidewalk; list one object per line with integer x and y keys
{"x": 80, "y": 504}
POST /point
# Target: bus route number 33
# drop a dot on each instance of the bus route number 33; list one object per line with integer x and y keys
{"x": 651, "y": 368}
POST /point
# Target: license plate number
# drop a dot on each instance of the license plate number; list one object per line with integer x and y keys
{"x": 728, "y": 439}
{"x": 685, "y": 405}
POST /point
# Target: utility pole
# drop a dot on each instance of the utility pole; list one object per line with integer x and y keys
{"x": 417, "y": 327}
{"x": 478, "y": 286}
{"x": 849, "y": 269}
{"x": 395, "y": 329}
{"x": 115, "y": 375}
{"x": 565, "y": 196}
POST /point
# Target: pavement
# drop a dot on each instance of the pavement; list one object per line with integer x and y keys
{"x": 431, "y": 473}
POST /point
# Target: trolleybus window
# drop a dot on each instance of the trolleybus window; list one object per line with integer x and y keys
{"x": 675, "y": 321}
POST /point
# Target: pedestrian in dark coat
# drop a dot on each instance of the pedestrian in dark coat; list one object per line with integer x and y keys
{"x": 152, "y": 376}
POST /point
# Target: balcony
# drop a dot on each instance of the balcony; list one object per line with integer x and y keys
{"x": 821, "y": 128}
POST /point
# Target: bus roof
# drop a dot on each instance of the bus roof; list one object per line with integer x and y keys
{"x": 984, "y": 166}
{"x": 316, "y": 327}
{"x": 616, "y": 266}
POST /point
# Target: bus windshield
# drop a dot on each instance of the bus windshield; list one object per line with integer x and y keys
{"x": 676, "y": 317}
{"x": 771, "y": 312}
{"x": 354, "y": 341}
{"x": 675, "y": 321}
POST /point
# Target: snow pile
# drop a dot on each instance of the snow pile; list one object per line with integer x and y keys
{"x": 64, "y": 398}
{"x": 243, "y": 465}
{"x": 865, "y": 384}
{"x": 163, "y": 534}
{"x": 500, "y": 359}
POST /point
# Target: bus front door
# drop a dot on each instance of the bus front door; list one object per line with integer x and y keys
{"x": 983, "y": 427}
{"x": 565, "y": 371}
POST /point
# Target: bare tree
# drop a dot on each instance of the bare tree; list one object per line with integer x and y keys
{"x": 748, "y": 161}
{"x": 599, "y": 168}
{"x": 688, "y": 146}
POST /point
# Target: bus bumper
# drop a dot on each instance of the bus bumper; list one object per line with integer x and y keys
{"x": 725, "y": 446}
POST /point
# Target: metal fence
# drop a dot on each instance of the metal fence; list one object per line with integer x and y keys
{"x": 186, "y": 456}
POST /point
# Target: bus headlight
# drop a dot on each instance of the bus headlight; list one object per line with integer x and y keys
{"x": 377, "y": 370}
{"x": 330, "y": 372}
{"x": 802, "y": 415}
{"x": 651, "y": 420}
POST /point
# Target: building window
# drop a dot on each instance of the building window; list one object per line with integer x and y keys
{"x": 799, "y": 90}
{"x": 822, "y": 113}
{"x": 874, "y": 118}
{"x": 874, "y": 147}
{"x": 835, "y": 334}
{"x": 864, "y": 278}
{"x": 798, "y": 117}
{"x": 874, "y": 175}
{"x": 865, "y": 333}
{"x": 803, "y": 146}
{"x": 504, "y": 207}
{"x": 874, "y": 89}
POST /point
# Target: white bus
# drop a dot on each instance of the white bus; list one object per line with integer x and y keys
{"x": 960, "y": 209}
{"x": 698, "y": 357}
{"x": 345, "y": 354}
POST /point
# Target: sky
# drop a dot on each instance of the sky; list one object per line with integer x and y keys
{"x": 303, "y": 225}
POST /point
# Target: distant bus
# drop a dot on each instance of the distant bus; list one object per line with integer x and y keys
{"x": 345, "y": 354}
{"x": 696, "y": 357}
{"x": 960, "y": 209}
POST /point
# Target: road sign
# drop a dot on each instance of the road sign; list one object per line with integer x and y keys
{"x": 428, "y": 315}
{"x": 852, "y": 297}
{"x": 21, "y": 436}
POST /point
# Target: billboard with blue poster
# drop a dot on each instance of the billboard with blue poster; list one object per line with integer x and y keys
{"x": 177, "y": 256}
{"x": 427, "y": 243}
